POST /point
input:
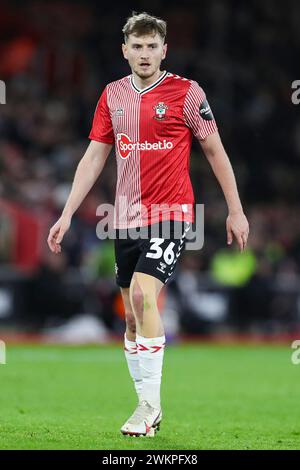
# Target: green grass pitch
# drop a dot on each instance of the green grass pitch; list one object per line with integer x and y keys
{"x": 213, "y": 396}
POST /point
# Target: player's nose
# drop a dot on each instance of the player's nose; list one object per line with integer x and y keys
{"x": 144, "y": 54}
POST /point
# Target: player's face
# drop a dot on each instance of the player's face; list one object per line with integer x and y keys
{"x": 144, "y": 54}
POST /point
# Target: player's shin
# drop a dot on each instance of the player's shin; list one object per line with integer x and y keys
{"x": 151, "y": 353}
{"x": 132, "y": 358}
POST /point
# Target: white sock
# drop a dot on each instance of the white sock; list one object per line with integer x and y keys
{"x": 151, "y": 353}
{"x": 132, "y": 358}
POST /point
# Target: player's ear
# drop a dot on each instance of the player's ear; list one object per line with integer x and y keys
{"x": 165, "y": 48}
{"x": 124, "y": 50}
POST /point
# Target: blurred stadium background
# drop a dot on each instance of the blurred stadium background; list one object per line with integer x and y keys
{"x": 56, "y": 57}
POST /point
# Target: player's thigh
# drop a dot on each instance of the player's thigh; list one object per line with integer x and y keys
{"x": 149, "y": 283}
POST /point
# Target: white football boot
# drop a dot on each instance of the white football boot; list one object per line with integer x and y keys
{"x": 145, "y": 421}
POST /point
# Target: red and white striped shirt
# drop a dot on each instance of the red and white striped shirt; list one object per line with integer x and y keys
{"x": 152, "y": 130}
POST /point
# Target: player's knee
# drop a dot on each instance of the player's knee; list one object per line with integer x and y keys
{"x": 130, "y": 322}
{"x": 149, "y": 301}
{"x": 142, "y": 301}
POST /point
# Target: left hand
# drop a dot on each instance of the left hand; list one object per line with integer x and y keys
{"x": 237, "y": 226}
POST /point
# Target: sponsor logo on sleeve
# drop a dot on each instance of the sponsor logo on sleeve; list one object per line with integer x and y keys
{"x": 205, "y": 111}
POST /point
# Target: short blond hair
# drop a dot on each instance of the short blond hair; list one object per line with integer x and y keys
{"x": 143, "y": 24}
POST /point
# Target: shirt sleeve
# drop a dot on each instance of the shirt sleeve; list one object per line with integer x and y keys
{"x": 197, "y": 113}
{"x": 102, "y": 129}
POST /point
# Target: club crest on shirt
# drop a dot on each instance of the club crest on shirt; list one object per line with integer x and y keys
{"x": 160, "y": 111}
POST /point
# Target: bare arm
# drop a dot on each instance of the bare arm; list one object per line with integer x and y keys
{"x": 87, "y": 172}
{"x": 236, "y": 222}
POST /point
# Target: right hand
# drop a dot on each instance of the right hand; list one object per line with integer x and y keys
{"x": 57, "y": 233}
{"x": 237, "y": 226}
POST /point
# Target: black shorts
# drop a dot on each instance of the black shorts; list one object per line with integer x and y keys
{"x": 154, "y": 255}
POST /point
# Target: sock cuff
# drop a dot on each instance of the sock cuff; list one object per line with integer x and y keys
{"x": 128, "y": 342}
{"x": 152, "y": 345}
{"x": 151, "y": 341}
{"x": 130, "y": 347}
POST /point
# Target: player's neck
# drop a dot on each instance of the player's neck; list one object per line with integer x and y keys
{"x": 142, "y": 83}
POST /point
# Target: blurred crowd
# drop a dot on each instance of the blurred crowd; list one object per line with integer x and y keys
{"x": 56, "y": 58}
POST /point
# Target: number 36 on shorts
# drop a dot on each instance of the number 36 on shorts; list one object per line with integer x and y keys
{"x": 156, "y": 252}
